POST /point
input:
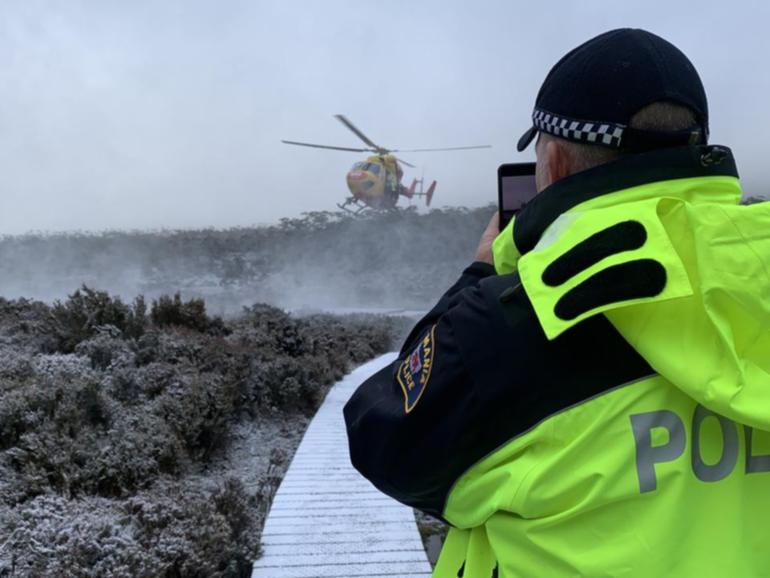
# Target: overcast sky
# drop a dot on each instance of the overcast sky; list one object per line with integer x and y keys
{"x": 169, "y": 114}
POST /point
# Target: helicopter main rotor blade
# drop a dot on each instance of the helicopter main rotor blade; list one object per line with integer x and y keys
{"x": 343, "y": 119}
{"x": 442, "y": 149}
{"x": 319, "y": 146}
{"x": 403, "y": 162}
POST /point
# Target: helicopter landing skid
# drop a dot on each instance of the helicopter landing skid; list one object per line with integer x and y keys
{"x": 358, "y": 206}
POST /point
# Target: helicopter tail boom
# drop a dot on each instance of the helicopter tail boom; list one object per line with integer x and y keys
{"x": 410, "y": 191}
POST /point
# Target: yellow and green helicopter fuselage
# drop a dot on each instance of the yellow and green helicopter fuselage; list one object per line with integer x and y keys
{"x": 376, "y": 181}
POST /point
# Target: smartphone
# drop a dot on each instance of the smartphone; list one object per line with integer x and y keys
{"x": 515, "y": 187}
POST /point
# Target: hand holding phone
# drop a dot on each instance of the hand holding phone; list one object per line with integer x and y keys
{"x": 484, "y": 250}
{"x": 515, "y": 187}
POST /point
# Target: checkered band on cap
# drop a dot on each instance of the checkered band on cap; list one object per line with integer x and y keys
{"x": 601, "y": 133}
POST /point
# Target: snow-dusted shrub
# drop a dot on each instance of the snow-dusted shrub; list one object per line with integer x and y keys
{"x": 172, "y": 311}
{"x": 61, "y": 393}
{"x": 198, "y": 409}
{"x": 15, "y": 363}
{"x": 105, "y": 349}
{"x": 87, "y": 310}
{"x": 167, "y": 530}
{"x": 27, "y": 324}
{"x": 295, "y": 358}
{"x": 105, "y": 449}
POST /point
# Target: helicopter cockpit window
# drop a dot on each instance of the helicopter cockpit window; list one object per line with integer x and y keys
{"x": 374, "y": 168}
{"x": 360, "y": 166}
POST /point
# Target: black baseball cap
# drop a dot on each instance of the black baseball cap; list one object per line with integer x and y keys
{"x": 591, "y": 94}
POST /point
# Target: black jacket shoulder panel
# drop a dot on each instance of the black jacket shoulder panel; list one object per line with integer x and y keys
{"x": 493, "y": 376}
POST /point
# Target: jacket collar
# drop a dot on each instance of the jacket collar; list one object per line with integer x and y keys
{"x": 624, "y": 173}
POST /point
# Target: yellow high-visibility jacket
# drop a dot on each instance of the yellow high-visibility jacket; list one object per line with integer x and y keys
{"x": 601, "y": 405}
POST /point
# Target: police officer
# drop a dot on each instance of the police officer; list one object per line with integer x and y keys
{"x": 592, "y": 397}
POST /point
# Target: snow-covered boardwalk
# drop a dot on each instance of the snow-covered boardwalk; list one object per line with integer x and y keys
{"x": 328, "y": 521}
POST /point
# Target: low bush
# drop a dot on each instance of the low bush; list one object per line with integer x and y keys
{"x": 88, "y": 311}
{"x": 169, "y": 530}
{"x": 110, "y": 419}
{"x": 172, "y": 311}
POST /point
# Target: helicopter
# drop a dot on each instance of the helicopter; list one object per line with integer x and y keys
{"x": 375, "y": 183}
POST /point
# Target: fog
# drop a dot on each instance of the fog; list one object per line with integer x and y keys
{"x": 391, "y": 262}
{"x": 117, "y": 115}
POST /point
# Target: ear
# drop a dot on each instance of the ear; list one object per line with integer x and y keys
{"x": 558, "y": 161}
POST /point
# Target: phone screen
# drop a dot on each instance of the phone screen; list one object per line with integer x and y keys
{"x": 516, "y": 186}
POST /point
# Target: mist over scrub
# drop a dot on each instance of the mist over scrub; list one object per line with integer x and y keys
{"x": 400, "y": 259}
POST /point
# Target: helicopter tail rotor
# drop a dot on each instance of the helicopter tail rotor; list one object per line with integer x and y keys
{"x": 413, "y": 192}
{"x": 429, "y": 193}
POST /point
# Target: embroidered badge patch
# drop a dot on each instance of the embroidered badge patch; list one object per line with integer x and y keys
{"x": 414, "y": 372}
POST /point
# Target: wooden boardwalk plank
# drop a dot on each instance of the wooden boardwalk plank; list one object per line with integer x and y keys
{"x": 326, "y": 520}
